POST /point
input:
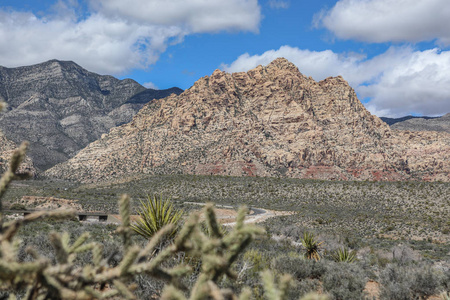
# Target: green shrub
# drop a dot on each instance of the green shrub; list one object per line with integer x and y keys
{"x": 409, "y": 282}
{"x": 395, "y": 283}
{"x": 154, "y": 215}
{"x": 425, "y": 283}
{"x": 344, "y": 283}
{"x": 300, "y": 268}
{"x": 344, "y": 255}
{"x": 302, "y": 288}
{"x": 311, "y": 245}
{"x": 403, "y": 254}
{"x": 17, "y": 206}
{"x": 446, "y": 280}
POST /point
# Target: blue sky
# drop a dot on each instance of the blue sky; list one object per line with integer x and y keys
{"x": 394, "y": 53}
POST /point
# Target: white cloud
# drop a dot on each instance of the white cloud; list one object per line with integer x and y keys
{"x": 318, "y": 64}
{"x": 398, "y": 82}
{"x": 110, "y": 40}
{"x": 97, "y": 43}
{"x": 411, "y": 82}
{"x": 388, "y": 20}
{"x": 194, "y": 15}
{"x": 150, "y": 85}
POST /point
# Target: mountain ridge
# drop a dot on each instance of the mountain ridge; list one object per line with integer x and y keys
{"x": 423, "y": 123}
{"x": 61, "y": 107}
{"x": 269, "y": 121}
{"x": 392, "y": 121}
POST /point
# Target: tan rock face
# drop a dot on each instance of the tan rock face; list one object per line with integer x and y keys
{"x": 270, "y": 121}
{"x": 7, "y": 148}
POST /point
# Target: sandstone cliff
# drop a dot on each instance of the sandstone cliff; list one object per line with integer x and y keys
{"x": 59, "y": 107}
{"x": 270, "y": 121}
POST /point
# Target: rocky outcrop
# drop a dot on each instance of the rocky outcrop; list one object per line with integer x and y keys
{"x": 59, "y": 107}
{"x": 7, "y": 148}
{"x": 420, "y": 123}
{"x": 270, "y": 121}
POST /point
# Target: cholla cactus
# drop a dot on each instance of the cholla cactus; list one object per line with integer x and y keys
{"x": 65, "y": 280}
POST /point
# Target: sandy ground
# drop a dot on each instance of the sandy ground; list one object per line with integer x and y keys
{"x": 228, "y": 216}
{"x": 225, "y": 216}
{"x": 49, "y": 203}
{"x": 372, "y": 289}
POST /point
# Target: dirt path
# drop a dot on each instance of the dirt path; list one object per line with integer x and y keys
{"x": 226, "y": 215}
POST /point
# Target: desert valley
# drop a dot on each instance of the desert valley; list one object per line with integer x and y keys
{"x": 225, "y": 150}
{"x": 271, "y": 139}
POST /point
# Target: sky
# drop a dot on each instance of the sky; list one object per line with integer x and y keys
{"x": 394, "y": 53}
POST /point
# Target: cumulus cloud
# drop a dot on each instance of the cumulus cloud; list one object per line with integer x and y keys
{"x": 97, "y": 43}
{"x": 411, "y": 82}
{"x": 388, "y": 20}
{"x": 116, "y": 36}
{"x": 194, "y": 15}
{"x": 395, "y": 83}
{"x": 318, "y": 64}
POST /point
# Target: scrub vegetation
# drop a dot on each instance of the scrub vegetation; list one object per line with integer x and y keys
{"x": 345, "y": 240}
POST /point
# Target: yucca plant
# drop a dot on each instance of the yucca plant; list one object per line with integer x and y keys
{"x": 344, "y": 255}
{"x": 311, "y": 245}
{"x": 154, "y": 214}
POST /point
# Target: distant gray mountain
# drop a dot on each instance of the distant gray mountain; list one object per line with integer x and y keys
{"x": 60, "y": 107}
{"x": 413, "y": 123}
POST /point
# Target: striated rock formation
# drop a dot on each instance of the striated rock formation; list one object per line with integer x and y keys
{"x": 60, "y": 107}
{"x": 420, "y": 123}
{"x": 7, "y": 148}
{"x": 270, "y": 121}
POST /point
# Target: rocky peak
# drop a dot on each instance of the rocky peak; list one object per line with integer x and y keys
{"x": 269, "y": 121}
{"x": 60, "y": 107}
{"x": 281, "y": 64}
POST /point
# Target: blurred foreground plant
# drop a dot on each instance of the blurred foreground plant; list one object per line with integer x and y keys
{"x": 40, "y": 279}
